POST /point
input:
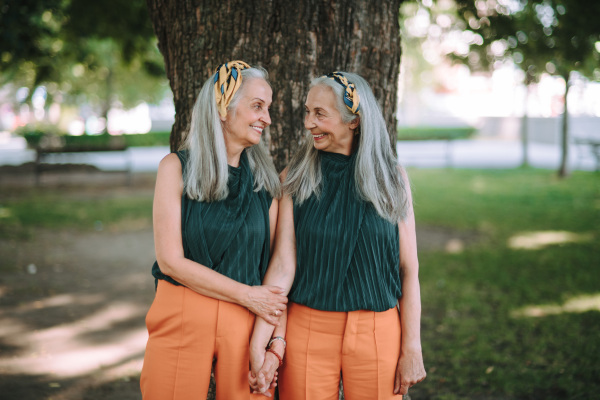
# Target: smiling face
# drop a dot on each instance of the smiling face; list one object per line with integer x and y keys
{"x": 243, "y": 126}
{"x": 330, "y": 133}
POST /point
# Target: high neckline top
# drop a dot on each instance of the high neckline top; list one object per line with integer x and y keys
{"x": 231, "y": 236}
{"x": 347, "y": 254}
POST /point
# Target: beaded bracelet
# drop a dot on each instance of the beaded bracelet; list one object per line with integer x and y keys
{"x": 276, "y": 355}
{"x": 277, "y": 338}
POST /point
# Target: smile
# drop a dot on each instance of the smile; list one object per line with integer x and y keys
{"x": 317, "y": 137}
{"x": 259, "y": 129}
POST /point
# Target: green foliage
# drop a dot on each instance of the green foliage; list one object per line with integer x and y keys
{"x": 434, "y": 133}
{"x": 553, "y": 36}
{"x": 148, "y": 139}
{"x": 475, "y": 346}
{"x": 98, "y": 52}
{"x": 34, "y": 137}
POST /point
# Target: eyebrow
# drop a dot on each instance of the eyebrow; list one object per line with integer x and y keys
{"x": 259, "y": 99}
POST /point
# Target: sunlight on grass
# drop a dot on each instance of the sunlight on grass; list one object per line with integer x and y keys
{"x": 5, "y": 212}
{"x": 541, "y": 239}
{"x": 60, "y": 300}
{"x": 577, "y": 304}
{"x": 65, "y": 350}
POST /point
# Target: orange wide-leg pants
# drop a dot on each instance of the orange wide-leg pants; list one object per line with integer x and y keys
{"x": 361, "y": 346}
{"x": 187, "y": 331}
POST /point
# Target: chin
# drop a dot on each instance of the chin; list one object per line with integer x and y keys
{"x": 319, "y": 145}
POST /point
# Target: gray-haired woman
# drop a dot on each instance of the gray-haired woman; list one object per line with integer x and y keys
{"x": 346, "y": 239}
{"x": 215, "y": 209}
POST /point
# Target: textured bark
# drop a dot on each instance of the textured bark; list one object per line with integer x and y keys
{"x": 295, "y": 41}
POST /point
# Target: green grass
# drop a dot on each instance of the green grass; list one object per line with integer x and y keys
{"x": 474, "y": 346}
{"x": 21, "y": 213}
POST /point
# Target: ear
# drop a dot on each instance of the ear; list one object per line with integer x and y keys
{"x": 222, "y": 118}
{"x": 354, "y": 123}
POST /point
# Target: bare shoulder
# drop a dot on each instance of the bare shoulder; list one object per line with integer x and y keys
{"x": 170, "y": 166}
{"x": 171, "y": 160}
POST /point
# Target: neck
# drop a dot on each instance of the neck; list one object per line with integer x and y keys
{"x": 233, "y": 155}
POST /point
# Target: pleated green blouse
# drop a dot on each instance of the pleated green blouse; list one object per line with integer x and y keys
{"x": 347, "y": 254}
{"x": 230, "y": 236}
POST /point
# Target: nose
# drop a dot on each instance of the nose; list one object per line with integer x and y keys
{"x": 266, "y": 118}
{"x": 308, "y": 121}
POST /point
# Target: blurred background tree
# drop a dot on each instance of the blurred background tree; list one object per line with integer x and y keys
{"x": 96, "y": 53}
{"x": 557, "y": 37}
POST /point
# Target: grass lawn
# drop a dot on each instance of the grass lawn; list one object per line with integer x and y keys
{"x": 517, "y": 315}
{"x": 23, "y": 211}
{"x": 514, "y": 315}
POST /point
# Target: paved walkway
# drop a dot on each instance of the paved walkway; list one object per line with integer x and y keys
{"x": 426, "y": 154}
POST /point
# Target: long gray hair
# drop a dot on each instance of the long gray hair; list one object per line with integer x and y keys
{"x": 207, "y": 171}
{"x": 377, "y": 173}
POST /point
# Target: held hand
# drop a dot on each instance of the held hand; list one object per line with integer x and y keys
{"x": 257, "y": 359}
{"x": 409, "y": 371}
{"x": 267, "y": 376}
{"x": 267, "y": 302}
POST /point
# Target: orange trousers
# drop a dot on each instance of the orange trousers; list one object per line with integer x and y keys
{"x": 361, "y": 346}
{"x": 187, "y": 331}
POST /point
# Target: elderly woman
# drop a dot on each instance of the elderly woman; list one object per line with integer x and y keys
{"x": 346, "y": 239}
{"x": 215, "y": 210}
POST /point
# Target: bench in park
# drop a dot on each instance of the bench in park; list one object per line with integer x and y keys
{"x": 591, "y": 145}
{"x": 52, "y": 146}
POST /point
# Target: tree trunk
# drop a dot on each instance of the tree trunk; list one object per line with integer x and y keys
{"x": 563, "y": 171}
{"x": 294, "y": 43}
{"x": 524, "y": 130}
{"x": 107, "y": 101}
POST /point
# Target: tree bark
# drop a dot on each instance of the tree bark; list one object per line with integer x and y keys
{"x": 563, "y": 170}
{"x": 295, "y": 43}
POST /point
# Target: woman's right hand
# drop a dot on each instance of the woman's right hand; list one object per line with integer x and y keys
{"x": 266, "y": 302}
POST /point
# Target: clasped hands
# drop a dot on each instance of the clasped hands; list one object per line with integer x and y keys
{"x": 263, "y": 368}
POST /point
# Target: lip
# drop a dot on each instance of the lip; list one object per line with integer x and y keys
{"x": 258, "y": 129}
{"x": 319, "y": 136}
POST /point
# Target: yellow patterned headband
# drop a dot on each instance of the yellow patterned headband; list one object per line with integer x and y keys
{"x": 228, "y": 79}
{"x": 351, "y": 97}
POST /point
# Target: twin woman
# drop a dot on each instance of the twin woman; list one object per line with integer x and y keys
{"x": 293, "y": 281}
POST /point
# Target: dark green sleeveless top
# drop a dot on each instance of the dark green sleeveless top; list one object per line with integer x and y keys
{"x": 230, "y": 236}
{"x": 348, "y": 256}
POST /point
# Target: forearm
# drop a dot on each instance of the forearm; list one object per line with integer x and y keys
{"x": 410, "y": 312}
{"x": 205, "y": 281}
{"x": 282, "y": 277}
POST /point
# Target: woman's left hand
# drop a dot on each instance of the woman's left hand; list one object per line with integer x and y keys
{"x": 409, "y": 371}
{"x": 267, "y": 376}
{"x": 257, "y": 359}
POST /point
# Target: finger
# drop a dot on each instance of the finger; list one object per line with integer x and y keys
{"x": 275, "y": 289}
{"x": 262, "y": 384}
{"x": 397, "y": 385}
{"x": 271, "y": 320}
{"x": 403, "y": 389}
